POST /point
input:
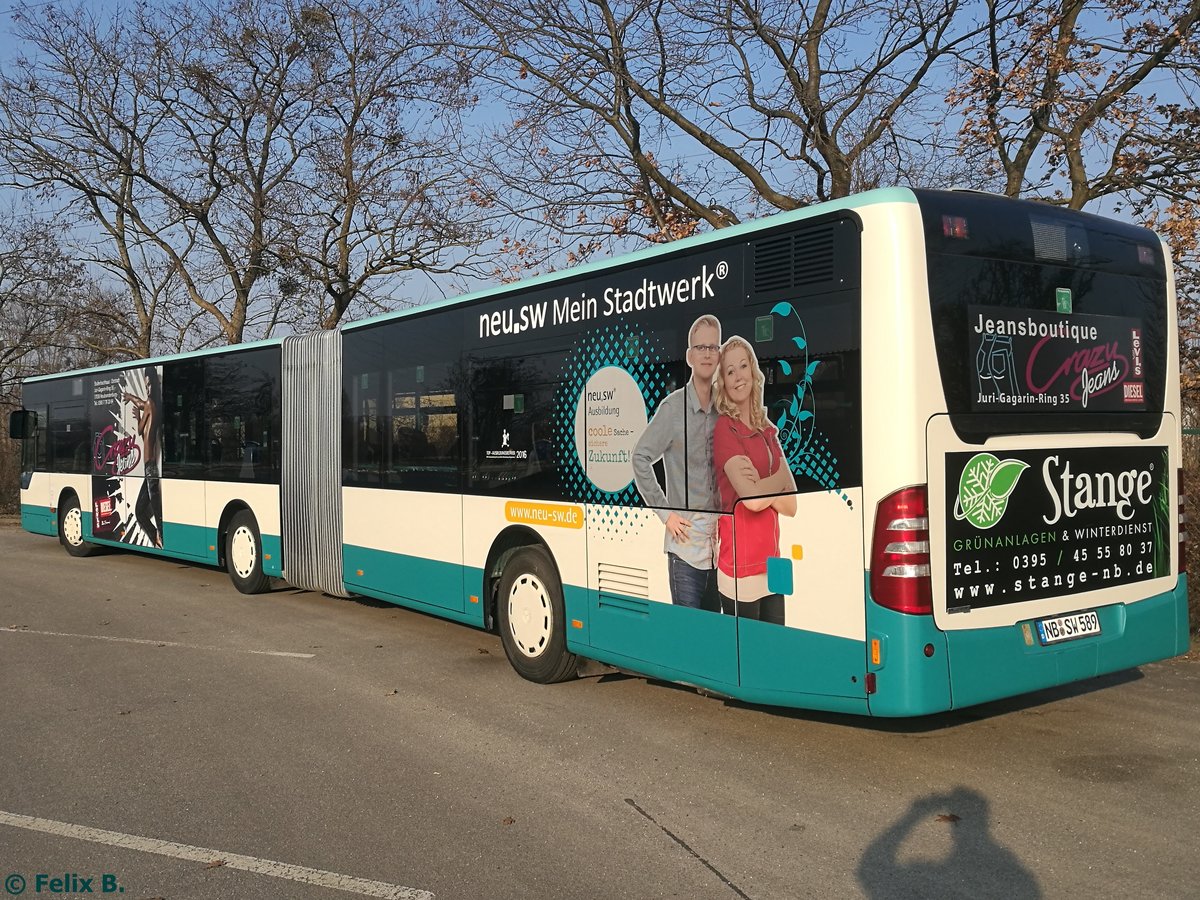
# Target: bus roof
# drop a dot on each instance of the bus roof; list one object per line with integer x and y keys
{"x": 869, "y": 198}
{"x": 855, "y": 201}
{"x": 155, "y": 360}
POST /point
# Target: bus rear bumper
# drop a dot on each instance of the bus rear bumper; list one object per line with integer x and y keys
{"x": 991, "y": 663}
{"x": 972, "y": 666}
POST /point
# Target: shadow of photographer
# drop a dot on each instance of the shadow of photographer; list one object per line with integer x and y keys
{"x": 908, "y": 858}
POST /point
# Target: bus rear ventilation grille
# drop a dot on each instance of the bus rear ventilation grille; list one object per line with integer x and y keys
{"x": 624, "y": 580}
{"x": 794, "y": 260}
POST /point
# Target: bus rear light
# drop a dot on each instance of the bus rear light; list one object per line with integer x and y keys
{"x": 955, "y": 227}
{"x": 901, "y": 578}
{"x": 1183, "y": 535}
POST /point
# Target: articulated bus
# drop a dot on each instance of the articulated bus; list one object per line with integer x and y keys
{"x": 895, "y": 454}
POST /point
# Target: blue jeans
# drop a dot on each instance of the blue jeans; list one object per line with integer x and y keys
{"x": 692, "y": 587}
{"x": 765, "y": 609}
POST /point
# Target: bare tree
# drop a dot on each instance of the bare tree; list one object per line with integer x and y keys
{"x": 71, "y": 119}
{"x": 656, "y": 117}
{"x": 268, "y": 160}
{"x": 43, "y": 307}
{"x": 380, "y": 190}
{"x": 1074, "y": 101}
{"x": 45, "y": 313}
{"x": 1079, "y": 103}
{"x": 169, "y": 128}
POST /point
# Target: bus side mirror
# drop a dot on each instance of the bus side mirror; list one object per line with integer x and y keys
{"x": 22, "y": 424}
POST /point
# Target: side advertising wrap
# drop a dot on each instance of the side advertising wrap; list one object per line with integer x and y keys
{"x": 1024, "y": 525}
{"x": 127, "y": 456}
{"x": 671, "y": 393}
{"x": 1032, "y": 360}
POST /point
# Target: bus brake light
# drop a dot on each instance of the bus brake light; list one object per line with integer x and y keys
{"x": 901, "y": 578}
{"x": 955, "y": 227}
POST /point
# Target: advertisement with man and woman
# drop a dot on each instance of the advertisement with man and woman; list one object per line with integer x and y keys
{"x": 727, "y": 480}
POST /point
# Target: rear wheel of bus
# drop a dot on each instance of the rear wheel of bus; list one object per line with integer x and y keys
{"x": 244, "y": 554}
{"x": 532, "y": 618}
{"x": 70, "y": 528}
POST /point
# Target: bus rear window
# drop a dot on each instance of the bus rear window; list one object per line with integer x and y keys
{"x": 1045, "y": 320}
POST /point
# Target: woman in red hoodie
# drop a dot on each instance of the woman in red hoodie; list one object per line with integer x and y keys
{"x": 753, "y": 481}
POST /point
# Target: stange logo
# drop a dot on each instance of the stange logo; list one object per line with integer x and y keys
{"x": 984, "y": 488}
{"x": 1074, "y": 492}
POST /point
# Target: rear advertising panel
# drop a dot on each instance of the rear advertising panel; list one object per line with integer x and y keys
{"x": 1036, "y": 361}
{"x": 1026, "y": 525}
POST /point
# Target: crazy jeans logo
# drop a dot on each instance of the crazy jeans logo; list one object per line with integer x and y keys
{"x": 115, "y": 455}
{"x": 984, "y": 488}
{"x": 1096, "y": 370}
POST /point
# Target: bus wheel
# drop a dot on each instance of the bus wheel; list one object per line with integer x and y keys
{"x": 70, "y": 528}
{"x": 243, "y": 554}
{"x": 532, "y": 618}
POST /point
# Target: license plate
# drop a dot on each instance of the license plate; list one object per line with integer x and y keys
{"x": 1068, "y": 628}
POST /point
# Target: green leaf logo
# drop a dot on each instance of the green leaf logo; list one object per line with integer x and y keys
{"x": 984, "y": 487}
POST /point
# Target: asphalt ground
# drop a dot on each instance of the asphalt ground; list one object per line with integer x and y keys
{"x": 187, "y": 741}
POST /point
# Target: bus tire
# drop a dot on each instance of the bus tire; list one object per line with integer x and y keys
{"x": 244, "y": 554}
{"x": 532, "y": 618}
{"x": 70, "y": 528}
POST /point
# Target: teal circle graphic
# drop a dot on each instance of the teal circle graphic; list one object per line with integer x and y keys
{"x": 627, "y": 346}
{"x": 610, "y": 418}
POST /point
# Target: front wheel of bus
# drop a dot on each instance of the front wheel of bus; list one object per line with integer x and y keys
{"x": 243, "y": 554}
{"x": 70, "y": 528}
{"x": 532, "y": 618}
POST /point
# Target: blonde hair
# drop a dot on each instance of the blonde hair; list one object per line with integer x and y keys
{"x": 725, "y": 406}
{"x": 706, "y": 319}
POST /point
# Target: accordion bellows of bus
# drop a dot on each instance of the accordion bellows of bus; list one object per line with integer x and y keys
{"x": 890, "y": 455}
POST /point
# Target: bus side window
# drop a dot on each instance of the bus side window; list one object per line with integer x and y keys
{"x": 70, "y": 438}
{"x": 362, "y": 380}
{"x": 401, "y": 395}
{"x": 424, "y": 440}
{"x": 242, "y": 392}
{"x": 184, "y": 422}
{"x": 512, "y": 440}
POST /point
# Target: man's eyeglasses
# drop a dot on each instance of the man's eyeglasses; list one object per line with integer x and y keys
{"x": 706, "y": 348}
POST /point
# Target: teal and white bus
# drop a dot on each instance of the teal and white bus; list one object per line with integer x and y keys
{"x": 904, "y": 452}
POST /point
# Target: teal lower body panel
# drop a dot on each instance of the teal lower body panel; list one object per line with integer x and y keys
{"x": 757, "y": 662}
{"x": 202, "y": 544}
{"x": 693, "y": 643}
{"x": 473, "y": 616}
{"x": 578, "y": 611}
{"x": 38, "y": 520}
{"x": 272, "y": 545}
{"x": 908, "y": 682}
{"x": 795, "y": 661}
{"x": 972, "y": 666}
{"x": 748, "y": 694}
{"x": 991, "y": 663}
{"x": 411, "y": 581}
{"x": 191, "y": 541}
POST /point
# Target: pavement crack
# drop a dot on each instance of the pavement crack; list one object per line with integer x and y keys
{"x": 684, "y": 844}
